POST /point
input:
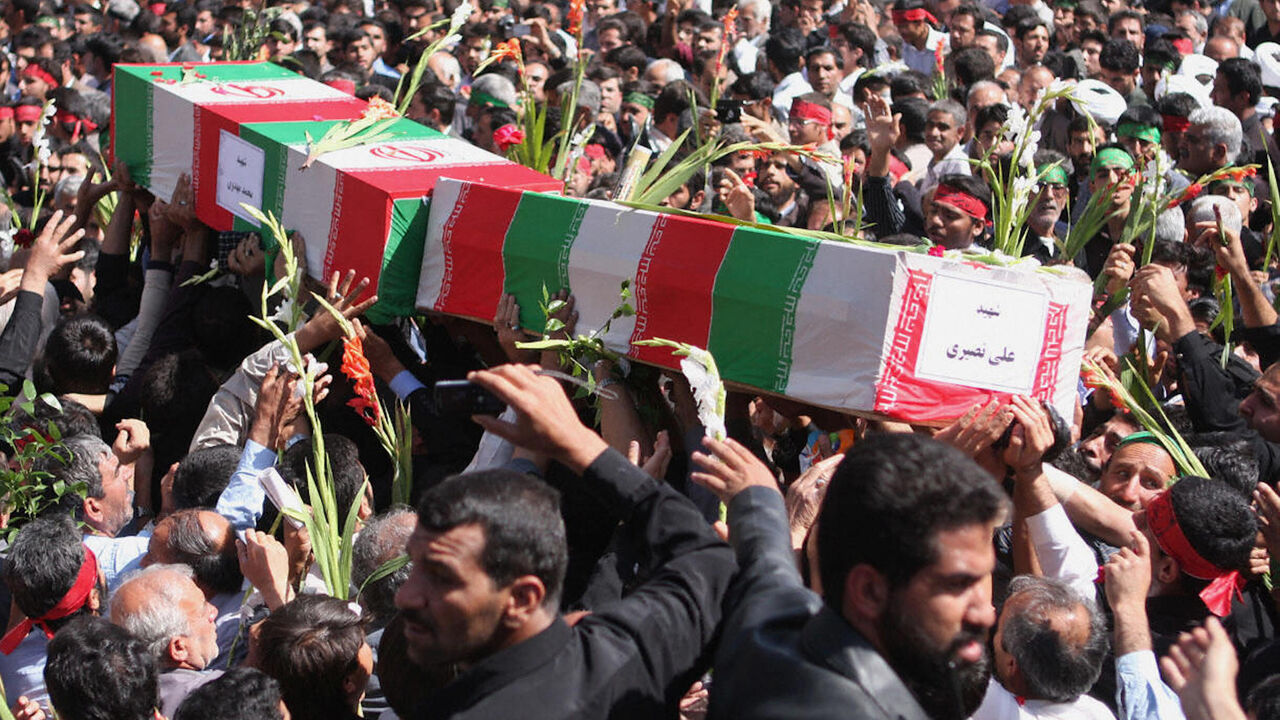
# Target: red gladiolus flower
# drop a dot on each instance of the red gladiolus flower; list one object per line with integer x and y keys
{"x": 1219, "y": 272}
{"x": 937, "y": 251}
{"x": 508, "y": 135}
{"x": 23, "y": 238}
{"x": 508, "y": 49}
{"x": 1239, "y": 174}
{"x": 356, "y": 367}
{"x": 1192, "y": 192}
{"x": 575, "y": 16}
{"x": 938, "y": 60}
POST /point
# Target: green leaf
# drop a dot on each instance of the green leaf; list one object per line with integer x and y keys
{"x": 555, "y": 306}
{"x": 387, "y": 568}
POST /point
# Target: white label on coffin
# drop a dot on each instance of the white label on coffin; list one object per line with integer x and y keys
{"x": 443, "y": 152}
{"x": 982, "y": 334}
{"x": 240, "y": 168}
{"x": 254, "y": 91}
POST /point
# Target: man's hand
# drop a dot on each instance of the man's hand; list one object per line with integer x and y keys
{"x": 977, "y": 429}
{"x": 27, "y": 709}
{"x": 382, "y": 361}
{"x": 133, "y": 438}
{"x": 506, "y": 323}
{"x": 343, "y": 294}
{"x": 1119, "y": 267}
{"x": 181, "y": 210}
{"x": 89, "y": 194}
{"x": 882, "y": 134}
{"x": 546, "y": 422}
{"x": 1202, "y": 668}
{"x": 1157, "y": 300}
{"x": 297, "y": 543}
{"x": 264, "y": 562}
{"x": 51, "y": 252}
{"x": 276, "y": 407}
{"x": 729, "y": 469}
{"x": 1031, "y": 437}
{"x": 804, "y": 497}
{"x": 655, "y": 466}
{"x": 1229, "y": 254}
{"x": 1267, "y": 502}
{"x": 737, "y": 197}
{"x": 1128, "y": 575}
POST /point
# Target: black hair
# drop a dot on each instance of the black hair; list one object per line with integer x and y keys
{"x": 1242, "y": 76}
{"x": 887, "y": 502}
{"x": 627, "y": 57}
{"x": 1061, "y": 65}
{"x": 106, "y": 46}
{"x": 344, "y": 459}
{"x": 1029, "y": 24}
{"x": 814, "y": 52}
{"x": 1140, "y": 115}
{"x": 673, "y": 100}
{"x": 1119, "y": 56}
{"x": 223, "y": 331}
{"x": 1177, "y": 104}
{"x": 972, "y": 64}
{"x": 1263, "y": 701}
{"x": 998, "y": 113}
{"x": 44, "y": 560}
{"x": 756, "y": 86}
{"x": 1161, "y": 53}
{"x": 438, "y": 96}
{"x": 310, "y": 645}
{"x": 970, "y": 185}
{"x": 98, "y": 671}
{"x": 242, "y": 692}
{"x": 175, "y": 392}
{"x": 520, "y": 516}
{"x": 908, "y": 83}
{"x": 860, "y": 37}
{"x": 1119, "y": 15}
{"x": 1054, "y": 667}
{"x": 915, "y": 115}
{"x": 1216, "y": 520}
{"x": 784, "y": 48}
{"x": 80, "y": 355}
{"x": 203, "y": 474}
{"x": 1227, "y": 457}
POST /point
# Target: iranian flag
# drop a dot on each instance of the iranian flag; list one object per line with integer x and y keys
{"x": 364, "y": 208}
{"x": 172, "y": 119}
{"x": 856, "y": 328}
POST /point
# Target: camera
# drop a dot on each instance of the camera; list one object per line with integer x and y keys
{"x": 729, "y": 111}
{"x": 463, "y": 398}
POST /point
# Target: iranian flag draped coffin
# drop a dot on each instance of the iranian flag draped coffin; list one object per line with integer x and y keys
{"x": 169, "y": 121}
{"x": 362, "y": 208}
{"x": 896, "y": 334}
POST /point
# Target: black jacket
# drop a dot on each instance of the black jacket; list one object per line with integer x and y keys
{"x": 783, "y": 654}
{"x": 633, "y": 659}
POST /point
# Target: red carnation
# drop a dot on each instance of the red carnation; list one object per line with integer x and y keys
{"x": 508, "y": 135}
{"x": 937, "y": 251}
{"x": 24, "y": 238}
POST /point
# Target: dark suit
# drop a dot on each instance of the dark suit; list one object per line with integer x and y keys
{"x": 783, "y": 654}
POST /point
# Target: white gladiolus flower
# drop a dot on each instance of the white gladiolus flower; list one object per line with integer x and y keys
{"x": 1016, "y": 126}
{"x": 460, "y": 15}
{"x": 708, "y": 392}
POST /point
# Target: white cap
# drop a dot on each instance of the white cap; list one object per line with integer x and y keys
{"x": 1101, "y": 100}
{"x": 1267, "y": 55}
{"x": 1183, "y": 84}
{"x": 1198, "y": 67}
{"x": 1267, "y": 106}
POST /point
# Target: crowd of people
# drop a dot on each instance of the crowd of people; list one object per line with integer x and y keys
{"x": 598, "y": 554}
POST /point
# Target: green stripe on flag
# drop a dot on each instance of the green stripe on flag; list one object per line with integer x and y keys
{"x": 536, "y": 250}
{"x": 401, "y": 260}
{"x": 133, "y": 120}
{"x": 275, "y": 138}
{"x": 754, "y": 306}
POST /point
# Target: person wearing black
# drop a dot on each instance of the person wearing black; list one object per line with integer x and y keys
{"x": 489, "y": 559}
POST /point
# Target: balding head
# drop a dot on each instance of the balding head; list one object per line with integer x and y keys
{"x": 1222, "y": 48}
{"x": 163, "y": 607}
{"x": 202, "y": 540}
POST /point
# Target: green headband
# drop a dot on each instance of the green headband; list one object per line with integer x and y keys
{"x": 638, "y": 98}
{"x": 480, "y": 98}
{"x": 1053, "y": 175}
{"x": 1142, "y": 436}
{"x": 1111, "y": 157}
{"x": 1227, "y": 181}
{"x": 1136, "y": 130}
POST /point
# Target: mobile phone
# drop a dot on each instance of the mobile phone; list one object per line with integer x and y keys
{"x": 463, "y": 398}
{"x": 729, "y": 111}
{"x": 521, "y": 30}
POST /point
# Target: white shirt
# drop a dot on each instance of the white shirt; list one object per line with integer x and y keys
{"x": 1000, "y": 704}
{"x": 791, "y": 87}
{"x": 955, "y": 162}
{"x": 926, "y": 60}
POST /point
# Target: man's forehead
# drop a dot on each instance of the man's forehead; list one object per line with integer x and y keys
{"x": 1145, "y": 453}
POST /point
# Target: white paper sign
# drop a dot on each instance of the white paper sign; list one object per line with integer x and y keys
{"x": 982, "y": 334}
{"x": 240, "y": 168}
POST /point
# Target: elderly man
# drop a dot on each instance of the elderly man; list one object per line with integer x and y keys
{"x": 107, "y": 505}
{"x": 1051, "y": 200}
{"x": 1213, "y": 141}
{"x": 163, "y": 607}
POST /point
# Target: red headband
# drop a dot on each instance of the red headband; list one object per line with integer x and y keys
{"x": 28, "y": 113}
{"x": 6, "y": 112}
{"x": 1184, "y": 46}
{"x": 1164, "y": 525}
{"x": 961, "y": 200}
{"x": 158, "y": 8}
{"x": 810, "y": 111}
{"x": 594, "y": 151}
{"x": 75, "y": 599}
{"x": 913, "y": 15}
{"x": 33, "y": 70}
{"x": 1175, "y": 123}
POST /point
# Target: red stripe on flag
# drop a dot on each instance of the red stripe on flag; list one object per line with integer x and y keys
{"x": 204, "y": 168}
{"x": 1055, "y": 329}
{"x": 358, "y": 230}
{"x": 674, "y": 284}
{"x": 472, "y": 247}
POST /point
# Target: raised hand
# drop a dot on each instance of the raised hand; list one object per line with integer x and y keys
{"x": 51, "y": 252}
{"x": 344, "y": 295}
{"x": 729, "y": 469}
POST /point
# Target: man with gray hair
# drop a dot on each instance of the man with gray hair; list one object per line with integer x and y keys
{"x": 662, "y": 72}
{"x": 1213, "y": 141}
{"x": 382, "y": 540}
{"x": 754, "y": 16}
{"x": 163, "y": 607}
{"x": 942, "y": 131}
{"x": 107, "y": 506}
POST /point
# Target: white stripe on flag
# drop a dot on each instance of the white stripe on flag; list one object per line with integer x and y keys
{"x": 610, "y": 241}
{"x": 172, "y": 140}
{"x": 251, "y": 92}
{"x": 396, "y": 155}
{"x": 308, "y": 205}
{"x": 443, "y": 200}
{"x": 840, "y": 326}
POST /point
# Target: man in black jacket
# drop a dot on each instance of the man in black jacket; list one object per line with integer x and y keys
{"x": 489, "y": 558}
{"x": 905, "y": 555}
